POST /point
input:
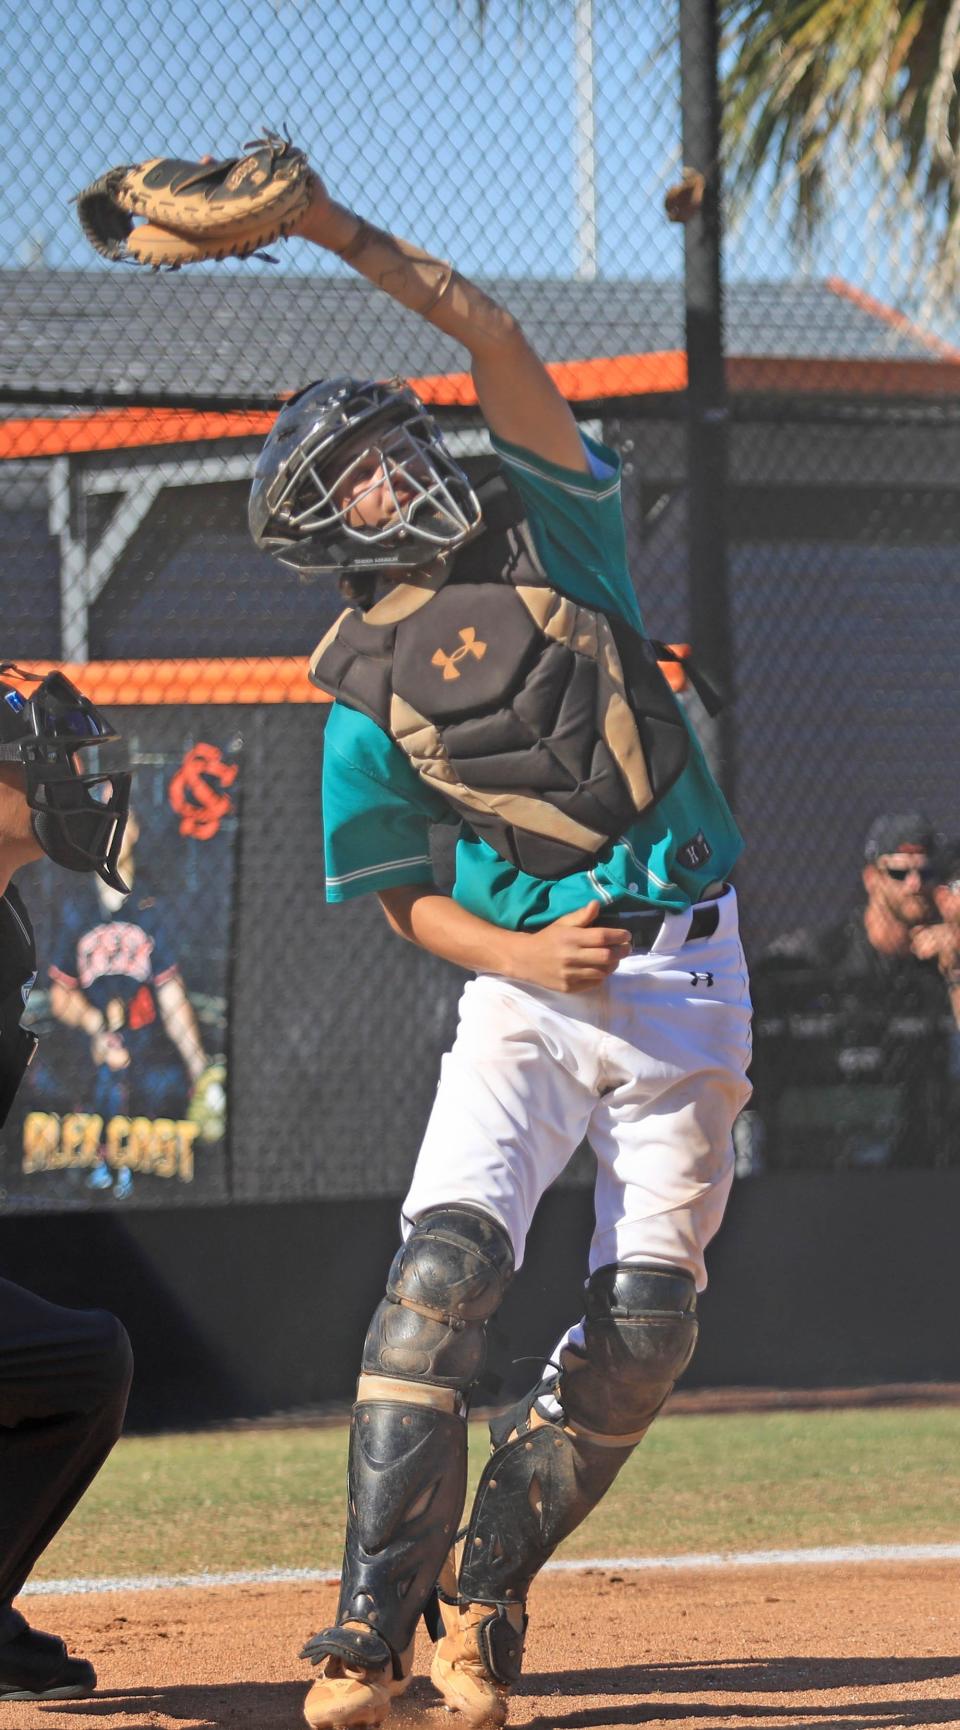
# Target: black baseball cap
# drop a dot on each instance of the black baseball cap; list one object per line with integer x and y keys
{"x": 891, "y": 831}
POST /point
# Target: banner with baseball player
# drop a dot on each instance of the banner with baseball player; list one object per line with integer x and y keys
{"x": 126, "y": 1100}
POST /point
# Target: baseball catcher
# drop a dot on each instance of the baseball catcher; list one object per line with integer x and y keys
{"x": 492, "y": 669}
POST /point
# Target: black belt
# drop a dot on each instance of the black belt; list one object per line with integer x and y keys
{"x": 645, "y": 928}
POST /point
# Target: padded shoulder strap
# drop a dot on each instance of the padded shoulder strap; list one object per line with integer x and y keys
{"x": 353, "y": 663}
{"x": 500, "y": 502}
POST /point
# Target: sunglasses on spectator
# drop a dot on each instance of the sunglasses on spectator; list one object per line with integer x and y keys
{"x": 900, "y": 873}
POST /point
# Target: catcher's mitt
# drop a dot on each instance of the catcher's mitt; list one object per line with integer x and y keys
{"x": 208, "y": 1101}
{"x": 197, "y": 210}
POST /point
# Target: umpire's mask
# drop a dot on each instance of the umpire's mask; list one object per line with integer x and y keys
{"x": 77, "y": 772}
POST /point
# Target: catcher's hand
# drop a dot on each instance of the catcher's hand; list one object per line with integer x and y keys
{"x": 197, "y": 210}
{"x": 208, "y": 1101}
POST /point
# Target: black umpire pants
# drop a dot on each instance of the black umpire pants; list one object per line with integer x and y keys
{"x": 64, "y": 1380}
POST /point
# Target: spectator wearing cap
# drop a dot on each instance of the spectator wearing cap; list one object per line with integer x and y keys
{"x": 854, "y": 1023}
{"x": 898, "y": 876}
{"x": 878, "y": 940}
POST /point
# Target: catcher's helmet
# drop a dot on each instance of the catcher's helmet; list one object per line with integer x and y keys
{"x": 76, "y": 768}
{"x": 330, "y": 433}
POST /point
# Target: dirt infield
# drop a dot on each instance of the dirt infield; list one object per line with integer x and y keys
{"x": 874, "y": 1647}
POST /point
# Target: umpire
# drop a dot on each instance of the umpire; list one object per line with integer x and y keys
{"x": 64, "y": 1374}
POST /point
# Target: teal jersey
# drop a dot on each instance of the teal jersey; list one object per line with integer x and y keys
{"x": 378, "y": 811}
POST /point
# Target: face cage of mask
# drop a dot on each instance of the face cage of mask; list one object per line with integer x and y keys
{"x": 401, "y": 456}
{"x": 78, "y": 783}
{"x": 79, "y": 819}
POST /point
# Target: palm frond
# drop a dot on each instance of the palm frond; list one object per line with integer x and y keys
{"x": 828, "y": 91}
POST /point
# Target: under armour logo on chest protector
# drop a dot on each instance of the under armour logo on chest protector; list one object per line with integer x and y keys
{"x": 468, "y": 646}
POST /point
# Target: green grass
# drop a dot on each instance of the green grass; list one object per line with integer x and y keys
{"x": 250, "y": 1499}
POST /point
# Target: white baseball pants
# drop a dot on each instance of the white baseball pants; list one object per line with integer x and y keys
{"x": 650, "y": 1067}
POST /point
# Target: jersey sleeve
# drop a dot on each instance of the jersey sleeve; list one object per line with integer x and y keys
{"x": 377, "y": 813}
{"x": 576, "y": 521}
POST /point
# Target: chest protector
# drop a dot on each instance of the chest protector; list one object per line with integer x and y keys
{"x": 548, "y": 725}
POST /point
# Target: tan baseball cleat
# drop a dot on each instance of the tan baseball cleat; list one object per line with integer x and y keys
{"x": 343, "y": 1696}
{"x": 462, "y": 1673}
{"x": 349, "y": 1694}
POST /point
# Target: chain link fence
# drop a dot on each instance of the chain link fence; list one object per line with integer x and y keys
{"x": 533, "y": 144}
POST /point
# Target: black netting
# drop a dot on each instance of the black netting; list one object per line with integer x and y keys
{"x": 808, "y": 547}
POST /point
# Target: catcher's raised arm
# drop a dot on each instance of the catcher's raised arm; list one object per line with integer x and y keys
{"x": 519, "y": 399}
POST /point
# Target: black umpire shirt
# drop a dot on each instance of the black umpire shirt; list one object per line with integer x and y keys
{"x": 18, "y": 970}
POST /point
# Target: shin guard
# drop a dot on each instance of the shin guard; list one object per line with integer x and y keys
{"x": 408, "y": 1440}
{"x": 552, "y": 1462}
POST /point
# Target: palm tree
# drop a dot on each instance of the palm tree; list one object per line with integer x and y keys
{"x": 824, "y": 97}
{"x": 830, "y": 94}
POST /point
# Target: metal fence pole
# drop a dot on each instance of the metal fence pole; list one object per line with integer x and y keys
{"x": 585, "y": 147}
{"x": 706, "y": 400}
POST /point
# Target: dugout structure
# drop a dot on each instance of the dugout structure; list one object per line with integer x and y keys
{"x": 123, "y": 529}
{"x": 122, "y": 501}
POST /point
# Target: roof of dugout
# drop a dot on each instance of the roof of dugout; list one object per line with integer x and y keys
{"x": 207, "y": 340}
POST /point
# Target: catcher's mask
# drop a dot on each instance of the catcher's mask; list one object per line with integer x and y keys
{"x": 77, "y": 772}
{"x": 335, "y": 434}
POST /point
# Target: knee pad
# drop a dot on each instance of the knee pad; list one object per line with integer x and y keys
{"x": 639, "y": 1334}
{"x": 445, "y": 1283}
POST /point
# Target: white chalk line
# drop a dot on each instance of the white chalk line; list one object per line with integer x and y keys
{"x": 850, "y": 1555}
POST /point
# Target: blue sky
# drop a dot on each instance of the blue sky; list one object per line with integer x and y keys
{"x": 462, "y": 142}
